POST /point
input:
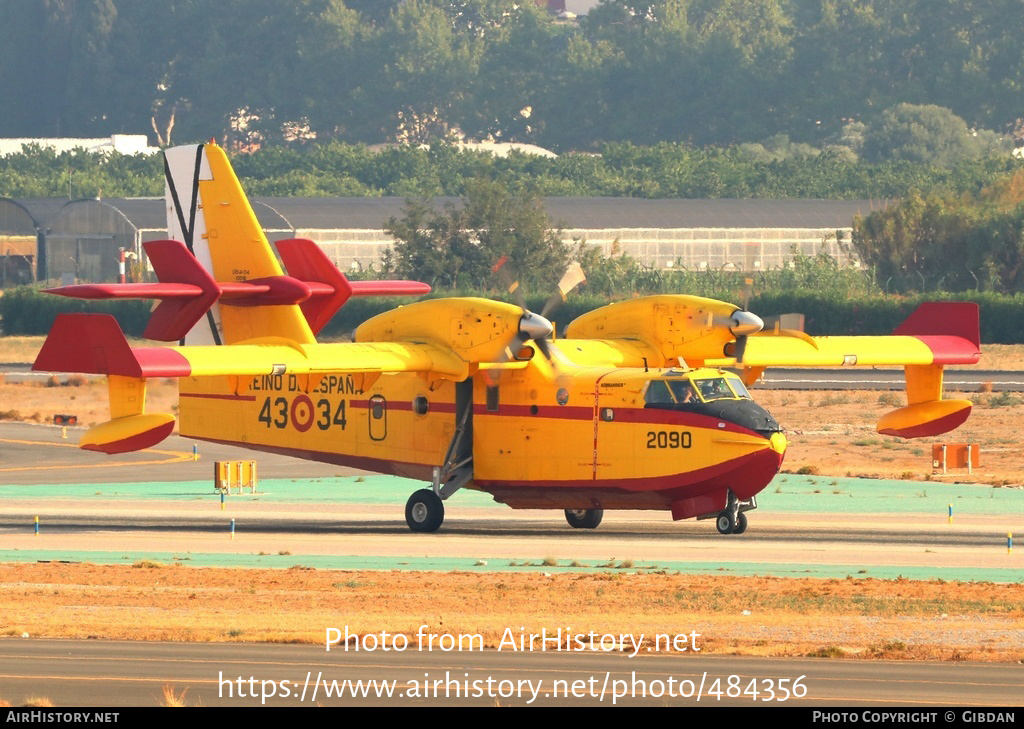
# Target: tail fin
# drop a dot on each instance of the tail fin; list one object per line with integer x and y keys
{"x": 207, "y": 209}
{"x": 220, "y": 282}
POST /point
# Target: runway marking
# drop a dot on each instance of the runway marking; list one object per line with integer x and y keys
{"x": 173, "y": 457}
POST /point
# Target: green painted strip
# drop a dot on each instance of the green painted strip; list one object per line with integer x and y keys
{"x": 790, "y": 493}
{"x": 339, "y": 490}
{"x": 786, "y": 494}
{"x": 340, "y": 562}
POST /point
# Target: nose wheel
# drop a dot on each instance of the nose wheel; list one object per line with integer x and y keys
{"x": 732, "y": 520}
{"x": 727, "y": 523}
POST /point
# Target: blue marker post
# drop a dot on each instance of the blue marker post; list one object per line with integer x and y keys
{"x": 195, "y": 451}
{"x": 222, "y": 499}
{"x": 232, "y": 528}
{"x": 950, "y": 513}
{"x": 37, "y": 526}
{"x": 1009, "y": 542}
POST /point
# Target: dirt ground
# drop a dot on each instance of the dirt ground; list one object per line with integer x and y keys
{"x": 831, "y": 433}
{"x": 864, "y": 618}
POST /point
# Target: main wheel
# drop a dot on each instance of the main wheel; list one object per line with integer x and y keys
{"x": 741, "y": 523}
{"x": 584, "y": 518}
{"x": 424, "y": 511}
{"x": 725, "y": 523}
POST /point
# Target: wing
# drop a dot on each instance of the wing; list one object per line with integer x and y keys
{"x": 936, "y": 334}
{"x": 664, "y": 331}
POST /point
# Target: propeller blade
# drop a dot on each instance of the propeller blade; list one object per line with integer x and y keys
{"x": 748, "y": 291}
{"x": 788, "y": 322}
{"x": 573, "y": 277}
{"x": 741, "y": 347}
{"x": 509, "y": 281}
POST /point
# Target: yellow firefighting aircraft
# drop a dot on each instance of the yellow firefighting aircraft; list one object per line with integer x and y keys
{"x": 630, "y": 411}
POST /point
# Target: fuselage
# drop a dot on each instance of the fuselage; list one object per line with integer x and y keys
{"x": 594, "y": 437}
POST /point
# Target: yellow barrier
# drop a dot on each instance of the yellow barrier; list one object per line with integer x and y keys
{"x": 230, "y": 474}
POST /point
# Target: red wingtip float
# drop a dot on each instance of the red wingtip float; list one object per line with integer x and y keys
{"x": 630, "y": 411}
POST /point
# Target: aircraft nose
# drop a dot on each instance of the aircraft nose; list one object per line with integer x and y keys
{"x": 778, "y": 443}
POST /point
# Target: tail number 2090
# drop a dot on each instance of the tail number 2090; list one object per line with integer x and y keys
{"x": 668, "y": 439}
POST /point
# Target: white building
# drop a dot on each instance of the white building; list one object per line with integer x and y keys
{"x": 123, "y": 143}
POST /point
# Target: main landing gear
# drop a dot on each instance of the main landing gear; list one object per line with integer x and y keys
{"x": 424, "y": 511}
{"x": 732, "y": 520}
{"x": 584, "y": 518}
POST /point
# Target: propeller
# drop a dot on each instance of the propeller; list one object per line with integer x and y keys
{"x": 742, "y": 324}
{"x": 536, "y": 328}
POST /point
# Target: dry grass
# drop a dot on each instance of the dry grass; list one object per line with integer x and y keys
{"x": 25, "y": 349}
{"x": 757, "y": 616}
{"x": 831, "y": 438}
{"x": 39, "y": 402}
{"x": 172, "y": 698}
{"x": 19, "y": 349}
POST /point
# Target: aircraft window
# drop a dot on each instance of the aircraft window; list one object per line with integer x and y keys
{"x": 657, "y": 393}
{"x": 739, "y": 388}
{"x": 682, "y": 390}
{"x": 714, "y": 388}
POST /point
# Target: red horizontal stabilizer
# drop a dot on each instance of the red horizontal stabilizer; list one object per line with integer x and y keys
{"x": 305, "y": 261}
{"x": 951, "y": 330}
{"x": 186, "y": 291}
{"x": 103, "y": 291}
{"x": 270, "y": 291}
{"x": 389, "y": 288}
{"x": 175, "y": 316}
{"x": 94, "y": 344}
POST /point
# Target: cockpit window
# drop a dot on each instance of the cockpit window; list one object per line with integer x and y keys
{"x": 658, "y": 393}
{"x": 714, "y": 389}
{"x": 740, "y": 389}
{"x": 718, "y": 388}
{"x": 683, "y": 390}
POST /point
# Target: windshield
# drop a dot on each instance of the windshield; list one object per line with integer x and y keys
{"x": 717, "y": 388}
{"x": 682, "y": 390}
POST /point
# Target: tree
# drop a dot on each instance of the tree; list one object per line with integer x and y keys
{"x": 57, "y": 66}
{"x": 457, "y": 247}
{"x": 929, "y": 134}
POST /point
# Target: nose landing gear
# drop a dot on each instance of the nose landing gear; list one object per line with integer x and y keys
{"x": 732, "y": 520}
